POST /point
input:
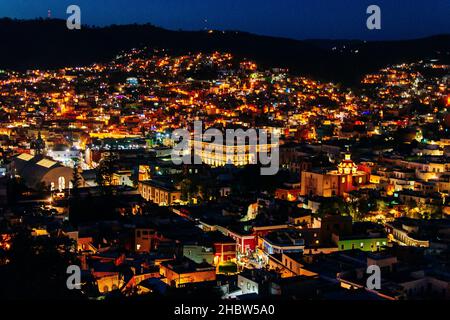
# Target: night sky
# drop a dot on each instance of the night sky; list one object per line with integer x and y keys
{"x": 300, "y": 19}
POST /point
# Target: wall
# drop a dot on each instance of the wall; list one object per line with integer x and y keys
{"x": 368, "y": 244}
{"x": 175, "y": 279}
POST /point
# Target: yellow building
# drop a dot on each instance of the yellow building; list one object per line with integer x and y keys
{"x": 158, "y": 192}
{"x": 319, "y": 184}
{"x": 217, "y": 155}
{"x": 177, "y": 273}
{"x": 109, "y": 282}
{"x": 122, "y": 178}
{"x": 346, "y": 178}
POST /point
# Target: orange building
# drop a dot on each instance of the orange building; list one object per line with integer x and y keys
{"x": 176, "y": 273}
{"x": 144, "y": 239}
{"x": 289, "y": 192}
{"x": 346, "y": 178}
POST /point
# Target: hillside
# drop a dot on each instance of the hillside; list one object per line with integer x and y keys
{"x": 49, "y": 44}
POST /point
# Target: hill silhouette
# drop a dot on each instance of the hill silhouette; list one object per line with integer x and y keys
{"x": 47, "y": 43}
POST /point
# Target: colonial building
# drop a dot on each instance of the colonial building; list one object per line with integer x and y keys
{"x": 159, "y": 192}
{"x": 346, "y": 178}
{"x": 221, "y": 154}
{"x": 177, "y": 273}
{"x": 39, "y": 171}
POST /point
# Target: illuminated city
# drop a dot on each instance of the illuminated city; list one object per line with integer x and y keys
{"x": 89, "y": 182}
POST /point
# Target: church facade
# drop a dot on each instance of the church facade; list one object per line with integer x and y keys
{"x": 346, "y": 178}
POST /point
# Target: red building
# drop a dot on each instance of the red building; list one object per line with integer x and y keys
{"x": 224, "y": 252}
{"x": 245, "y": 243}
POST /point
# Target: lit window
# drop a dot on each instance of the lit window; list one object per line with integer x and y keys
{"x": 61, "y": 183}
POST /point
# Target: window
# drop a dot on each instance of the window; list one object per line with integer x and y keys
{"x": 362, "y": 245}
{"x": 61, "y": 183}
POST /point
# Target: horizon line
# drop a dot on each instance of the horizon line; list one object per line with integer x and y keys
{"x": 143, "y": 24}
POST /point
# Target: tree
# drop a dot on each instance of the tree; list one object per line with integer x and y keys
{"x": 105, "y": 171}
{"x": 187, "y": 189}
{"x": 42, "y": 188}
{"x": 37, "y": 266}
{"x": 76, "y": 179}
{"x": 334, "y": 206}
{"x": 16, "y": 186}
{"x": 74, "y": 201}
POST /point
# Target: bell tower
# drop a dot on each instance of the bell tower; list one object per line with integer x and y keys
{"x": 38, "y": 145}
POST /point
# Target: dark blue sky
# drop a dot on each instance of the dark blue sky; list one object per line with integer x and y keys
{"x": 301, "y": 19}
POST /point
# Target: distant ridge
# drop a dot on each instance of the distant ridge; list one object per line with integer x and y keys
{"x": 47, "y": 43}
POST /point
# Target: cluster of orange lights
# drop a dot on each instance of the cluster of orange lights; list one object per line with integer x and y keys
{"x": 5, "y": 241}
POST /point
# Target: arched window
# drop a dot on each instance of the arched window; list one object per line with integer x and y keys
{"x": 61, "y": 183}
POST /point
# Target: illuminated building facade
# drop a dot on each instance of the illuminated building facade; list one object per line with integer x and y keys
{"x": 38, "y": 171}
{"x": 217, "y": 155}
{"x": 177, "y": 273}
{"x": 158, "y": 192}
{"x": 346, "y": 178}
